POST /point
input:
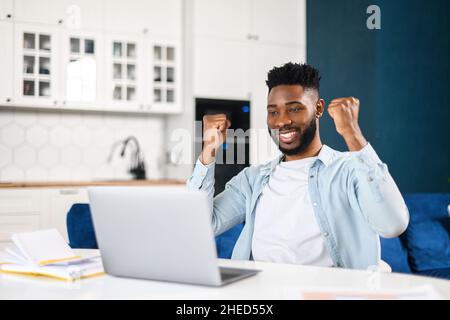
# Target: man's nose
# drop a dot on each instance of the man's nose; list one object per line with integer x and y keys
{"x": 284, "y": 120}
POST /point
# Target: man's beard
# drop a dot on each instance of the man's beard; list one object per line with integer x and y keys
{"x": 306, "y": 137}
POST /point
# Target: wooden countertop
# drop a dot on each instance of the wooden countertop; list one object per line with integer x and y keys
{"x": 75, "y": 184}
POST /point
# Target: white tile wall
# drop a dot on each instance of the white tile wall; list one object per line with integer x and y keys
{"x": 56, "y": 146}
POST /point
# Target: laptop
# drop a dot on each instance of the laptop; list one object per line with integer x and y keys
{"x": 158, "y": 233}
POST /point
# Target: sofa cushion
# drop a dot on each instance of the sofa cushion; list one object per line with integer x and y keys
{"x": 394, "y": 253}
{"x": 428, "y": 233}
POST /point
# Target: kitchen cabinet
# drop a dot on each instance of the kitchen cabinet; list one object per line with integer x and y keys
{"x": 26, "y": 210}
{"x": 276, "y": 22}
{"x": 36, "y": 56}
{"x": 68, "y": 57}
{"x": 20, "y": 211}
{"x": 155, "y": 17}
{"x": 6, "y": 62}
{"x": 82, "y": 69}
{"x": 80, "y": 14}
{"x": 6, "y": 10}
{"x": 227, "y": 78}
{"x": 59, "y": 202}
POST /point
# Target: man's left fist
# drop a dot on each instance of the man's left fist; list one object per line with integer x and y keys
{"x": 344, "y": 112}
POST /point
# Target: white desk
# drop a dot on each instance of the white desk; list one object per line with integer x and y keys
{"x": 276, "y": 281}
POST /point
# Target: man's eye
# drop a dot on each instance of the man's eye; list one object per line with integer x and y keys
{"x": 273, "y": 113}
{"x": 296, "y": 109}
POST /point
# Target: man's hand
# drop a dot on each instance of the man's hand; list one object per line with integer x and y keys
{"x": 344, "y": 112}
{"x": 214, "y": 133}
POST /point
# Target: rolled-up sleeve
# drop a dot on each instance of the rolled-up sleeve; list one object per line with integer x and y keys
{"x": 228, "y": 207}
{"x": 377, "y": 194}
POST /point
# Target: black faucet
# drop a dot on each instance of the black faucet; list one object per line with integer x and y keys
{"x": 137, "y": 167}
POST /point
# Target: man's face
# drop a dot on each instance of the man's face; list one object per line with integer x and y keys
{"x": 291, "y": 117}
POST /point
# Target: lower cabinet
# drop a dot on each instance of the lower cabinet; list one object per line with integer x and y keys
{"x": 24, "y": 210}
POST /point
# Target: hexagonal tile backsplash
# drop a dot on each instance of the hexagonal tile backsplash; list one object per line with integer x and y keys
{"x": 60, "y": 146}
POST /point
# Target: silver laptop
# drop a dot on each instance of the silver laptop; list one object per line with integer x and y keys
{"x": 158, "y": 233}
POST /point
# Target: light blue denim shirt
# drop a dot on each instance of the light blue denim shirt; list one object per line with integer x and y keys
{"x": 353, "y": 195}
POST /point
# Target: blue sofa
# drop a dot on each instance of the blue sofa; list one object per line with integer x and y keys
{"x": 423, "y": 249}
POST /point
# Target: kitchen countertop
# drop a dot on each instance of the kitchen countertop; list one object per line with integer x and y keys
{"x": 72, "y": 184}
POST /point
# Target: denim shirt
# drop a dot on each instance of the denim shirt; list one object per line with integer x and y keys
{"x": 355, "y": 200}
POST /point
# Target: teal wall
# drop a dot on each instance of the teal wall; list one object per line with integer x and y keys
{"x": 400, "y": 73}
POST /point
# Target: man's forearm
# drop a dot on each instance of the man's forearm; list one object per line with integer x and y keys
{"x": 355, "y": 140}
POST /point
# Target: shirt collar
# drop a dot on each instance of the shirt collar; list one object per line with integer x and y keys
{"x": 326, "y": 156}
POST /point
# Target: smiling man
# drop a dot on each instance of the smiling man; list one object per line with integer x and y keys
{"x": 312, "y": 205}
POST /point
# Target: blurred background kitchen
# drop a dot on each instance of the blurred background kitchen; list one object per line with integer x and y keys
{"x": 107, "y": 92}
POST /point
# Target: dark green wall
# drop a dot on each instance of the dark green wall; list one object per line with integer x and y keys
{"x": 401, "y": 75}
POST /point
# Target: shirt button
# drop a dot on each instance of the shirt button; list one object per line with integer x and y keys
{"x": 361, "y": 160}
{"x": 311, "y": 176}
{"x": 325, "y": 234}
{"x": 315, "y": 204}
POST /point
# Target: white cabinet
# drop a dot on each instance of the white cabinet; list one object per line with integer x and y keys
{"x": 82, "y": 69}
{"x": 86, "y": 14}
{"x": 228, "y": 33}
{"x": 6, "y": 9}
{"x": 153, "y": 16}
{"x": 124, "y": 72}
{"x": 221, "y": 68}
{"x": 20, "y": 211}
{"x": 36, "y": 55}
{"x": 164, "y": 72}
{"x": 280, "y": 22}
{"x": 6, "y": 62}
{"x": 25, "y": 210}
{"x": 229, "y": 19}
{"x": 59, "y": 202}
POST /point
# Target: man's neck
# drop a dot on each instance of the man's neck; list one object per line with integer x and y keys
{"x": 311, "y": 151}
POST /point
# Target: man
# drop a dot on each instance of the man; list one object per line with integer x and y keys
{"x": 312, "y": 205}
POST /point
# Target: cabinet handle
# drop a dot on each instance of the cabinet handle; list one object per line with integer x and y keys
{"x": 9, "y": 16}
{"x": 55, "y": 102}
{"x": 8, "y": 99}
{"x": 249, "y": 37}
{"x": 60, "y": 21}
{"x": 66, "y": 192}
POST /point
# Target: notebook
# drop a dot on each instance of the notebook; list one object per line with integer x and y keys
{"x": 45, "y": 253}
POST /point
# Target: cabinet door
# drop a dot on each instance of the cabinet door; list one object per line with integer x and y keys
{"x": 6, "y": 9}
{"x": 124, "y": 73}
{"x": 80, "y": 14}
{"x": 279, "y": 22}
{"x": 36, "y": 65}
{"x": 82, "y": 70}
{"x": 6, "y": 62}
{"x": 222, "y": 19}
{"x": 263, "y": 58}
{"x": 221, "y": 69}
{"x": 60, "y": 201}
{"x": 164, "y": 76}
{"x": 135, "y": 16}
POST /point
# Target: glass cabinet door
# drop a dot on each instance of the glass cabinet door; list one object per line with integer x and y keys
{"x": 124, "y": 76}
{"x": 36, "y": 49}
{"x": 165, "y": 79}
{"x": 81, "y": 69}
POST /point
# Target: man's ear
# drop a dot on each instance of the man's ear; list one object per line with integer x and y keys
{"x": 320, "y": 108}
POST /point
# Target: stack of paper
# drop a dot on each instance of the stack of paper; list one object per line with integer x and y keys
{"x": 45, "y": 253}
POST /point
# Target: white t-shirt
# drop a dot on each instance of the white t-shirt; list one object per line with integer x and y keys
{"x": 286, "y": 230}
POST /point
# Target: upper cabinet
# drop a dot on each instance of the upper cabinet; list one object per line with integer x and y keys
{"x": 6, "y": 62}
{"x": 36, "y": 54}
{"x": 99, "y": 55}
{"x": 6, "y": 9}
{"x": 79, "y": 14}
{"x": 280, "y": 22}
{"x": 229, "y": 19}
{"x": 275, "y": 22}
{"x": 144, "y": 16}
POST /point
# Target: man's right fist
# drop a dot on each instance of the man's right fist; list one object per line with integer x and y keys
{"x": 214, "y": 133}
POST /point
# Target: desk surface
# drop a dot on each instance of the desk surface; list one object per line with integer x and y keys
{"x": 276, "y": 281}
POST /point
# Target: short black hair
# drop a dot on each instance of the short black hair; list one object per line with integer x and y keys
{"x": 292, "y": 74}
